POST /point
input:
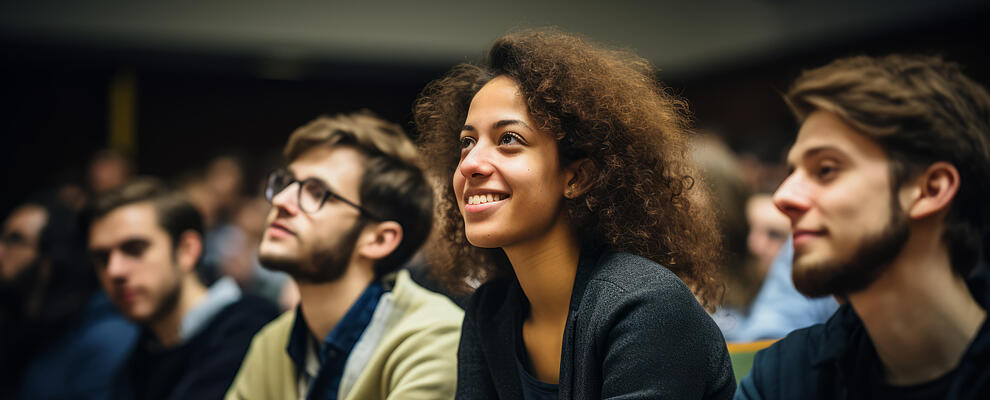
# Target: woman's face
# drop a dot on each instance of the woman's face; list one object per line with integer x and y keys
{"x": 509, "y": 183}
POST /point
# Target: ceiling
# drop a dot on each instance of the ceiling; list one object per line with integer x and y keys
{"x": 679, "y": 36}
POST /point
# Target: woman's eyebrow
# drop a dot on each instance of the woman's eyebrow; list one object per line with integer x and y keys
{"x": 506, "y": 122}
{"x": 499, "y": 124}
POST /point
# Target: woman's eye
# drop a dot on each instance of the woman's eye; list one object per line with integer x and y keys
{"x": 509, "y": 138}
{"x": 466, "y": 142}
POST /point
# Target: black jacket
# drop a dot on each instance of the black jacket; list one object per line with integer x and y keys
{"x": 634, "y": 331}
{"x": 837, "y": 360}
{"x": 202, "y": 368}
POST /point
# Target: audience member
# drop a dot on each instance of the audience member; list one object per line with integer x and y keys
{"x": 108, "y": 169}
{"x": 348, "y": 210}
{"x": 768, "y": 230}
{"x": 887, "y": 200}
{"x": 722, "y": 178}
{"x": 145, "y": 241}
{"x": 61, "y": 338}
{"x": 564, "y": 188}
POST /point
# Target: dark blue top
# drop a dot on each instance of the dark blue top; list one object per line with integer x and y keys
{"x": 837, "y": 360}
{"x": 338, "y": 344}
{"x": 532, "y": 388}
{"x": 82, "y": 363}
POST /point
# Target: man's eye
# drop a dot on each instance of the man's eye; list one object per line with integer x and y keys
{"x": 135, "y": 248}
{"x": 315, "y": 191}
{"x": 100, "y": 258}
{"x": 827, "y": 171}
{"x": 466, "y": 142}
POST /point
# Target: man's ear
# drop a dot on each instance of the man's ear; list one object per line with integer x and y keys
{"x": 379, "y": 240}
{"x": 579, "y": 175}
{"x": 189, "y": 248}
{"x": 934, "y": 191}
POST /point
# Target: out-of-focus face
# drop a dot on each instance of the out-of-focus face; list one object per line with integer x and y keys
{"x": 838, "y": 198}
{"x": 509, "y": 183}
{"x": 108, "y": 173}
{"x": 20, "y": 240}
{"x": 768, "y": 229}
{"x": 136, "y": 262}
{"x": 315, "y": 246}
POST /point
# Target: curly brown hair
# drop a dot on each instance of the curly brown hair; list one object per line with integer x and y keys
{"x": 605, "y": 105}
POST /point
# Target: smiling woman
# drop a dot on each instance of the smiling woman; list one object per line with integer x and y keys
{"x": 565, "y": 189}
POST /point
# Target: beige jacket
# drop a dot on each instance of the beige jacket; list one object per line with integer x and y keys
{"x": 408, "y": 351}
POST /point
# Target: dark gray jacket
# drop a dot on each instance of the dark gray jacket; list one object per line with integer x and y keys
{"x": 634, "y": 331}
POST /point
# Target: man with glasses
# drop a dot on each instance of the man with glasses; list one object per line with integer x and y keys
{"x": 348, "y": 210}
{"x": 145, "y": 241}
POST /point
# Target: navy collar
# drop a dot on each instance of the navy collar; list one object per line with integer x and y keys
{"x": 339, "y": 343}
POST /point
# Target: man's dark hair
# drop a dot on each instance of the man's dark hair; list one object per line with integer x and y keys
{"x": 393, "y": 186}
{"x": 174, "y": 212}
{"x": 921, "y": 110}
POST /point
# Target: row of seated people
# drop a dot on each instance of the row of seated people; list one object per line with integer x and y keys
{"x": 553, "y": 184}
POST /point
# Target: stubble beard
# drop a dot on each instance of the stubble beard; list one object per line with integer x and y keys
{"x": 327, "y": 265}
{"x": 168, "y": 303}
{"x": 872, "y": 258}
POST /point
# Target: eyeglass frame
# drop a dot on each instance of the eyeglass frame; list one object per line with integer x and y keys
{"x": 327, "y": 193}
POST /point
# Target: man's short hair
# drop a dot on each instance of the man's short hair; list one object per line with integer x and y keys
{"x": 393, "y": 186}
{"x": 174, "y": 212}
{"x": 920, "y": 109}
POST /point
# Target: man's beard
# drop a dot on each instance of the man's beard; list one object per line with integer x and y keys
{"x": 167, "y": 304}
{"x": 872, "y": 257}
{"x": 327, "y": 265}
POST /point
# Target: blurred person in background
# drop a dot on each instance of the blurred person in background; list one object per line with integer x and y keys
{"x": 769, "y": 229}
{"x": 741, "y": 271}
{"x": 215, "y": 191}
{"x": 145, "y": 241}
{"x": 107, "y": 170}
{"x": 887, "y": 200}
{"x": 60, "y": 336}
{"x": 233, "y": 223}
{"x": 349, "y": 208}
{"x": 238, "y": 256}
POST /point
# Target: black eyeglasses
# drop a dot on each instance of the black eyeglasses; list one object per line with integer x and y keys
{"x": 311, "y": 193}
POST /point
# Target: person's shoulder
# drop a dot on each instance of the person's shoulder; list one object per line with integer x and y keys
{"x": 249, "y": 313}
{"x": 786, "y": 368}
{"x": 424, "y": 306}
{"x": 629, "y": 289}
{"x": 793, "y": 351}
{"x": 632, "y": 276}
{"x": 277, "y": 330}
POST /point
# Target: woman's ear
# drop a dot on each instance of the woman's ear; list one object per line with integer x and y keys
{"x": 935, "y": 189}
{"x": 580, "y": 175}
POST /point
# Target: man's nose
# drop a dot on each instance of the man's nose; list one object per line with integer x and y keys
{"x": 791, "y": 198}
